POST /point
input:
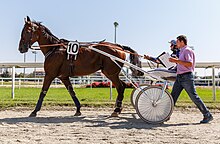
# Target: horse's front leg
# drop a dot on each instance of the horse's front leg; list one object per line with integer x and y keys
{"x": 69, "y": 87}
{"x": 47, "y": 81}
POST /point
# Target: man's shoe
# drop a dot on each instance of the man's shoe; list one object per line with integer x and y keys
{"x": 207, "y": 119}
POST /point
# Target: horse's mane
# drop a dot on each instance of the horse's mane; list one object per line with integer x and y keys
{"x": 47, "y": 32}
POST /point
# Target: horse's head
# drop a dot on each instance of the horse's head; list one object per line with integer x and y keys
{"x": 29, "y": 35}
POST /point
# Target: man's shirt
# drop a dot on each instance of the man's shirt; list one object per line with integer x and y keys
{"x": 187, "y": 55}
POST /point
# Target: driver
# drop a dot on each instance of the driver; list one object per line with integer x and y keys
{"x": 173, "y": 48}
{"x": 168, "y": 74}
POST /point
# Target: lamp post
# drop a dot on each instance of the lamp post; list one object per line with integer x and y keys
{"x": 116, "y": 25}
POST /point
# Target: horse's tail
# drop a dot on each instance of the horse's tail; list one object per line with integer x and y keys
{"x": 134, "y": 59}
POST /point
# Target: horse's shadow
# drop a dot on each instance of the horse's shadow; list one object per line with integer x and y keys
{"x": 130, "y": 123}
{"x": 42, "y": 120}
{"x": 121, "y": 122}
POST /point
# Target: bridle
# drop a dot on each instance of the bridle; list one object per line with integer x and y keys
{"x": 29, "y": 32}
{"x": 33, "y": 29}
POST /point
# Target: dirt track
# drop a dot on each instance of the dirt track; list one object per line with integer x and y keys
{"x": 95, "y": 126}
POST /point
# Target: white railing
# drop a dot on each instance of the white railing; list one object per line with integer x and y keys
{"x": 38, "y": 82}
{"x": 85, "y": 80}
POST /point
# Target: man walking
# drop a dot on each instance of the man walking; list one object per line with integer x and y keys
{"x": 184, "y": 79}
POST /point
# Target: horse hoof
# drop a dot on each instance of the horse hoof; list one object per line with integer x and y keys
{"x": 114, "y": 114}
{"x": 117, "y": 110}
{"x": 77, "y": 114}
{"x": 33, "y": 115}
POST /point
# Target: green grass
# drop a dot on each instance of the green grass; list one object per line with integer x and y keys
{"x": 60, "y": 96}
{"x": 89, "y": 97}
{"x": 205, "y": 93}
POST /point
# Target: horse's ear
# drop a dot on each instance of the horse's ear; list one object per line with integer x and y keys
{"x": 28, "y": 19}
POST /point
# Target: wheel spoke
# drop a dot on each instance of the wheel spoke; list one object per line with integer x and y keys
{"x": 154, "y": 112}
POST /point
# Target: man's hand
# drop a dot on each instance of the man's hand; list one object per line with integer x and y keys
{"x": 147, "y": 57}
{"x": 173, "y": 60}
{"x": 184, "y": 63}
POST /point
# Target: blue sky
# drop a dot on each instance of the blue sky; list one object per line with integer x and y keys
{"x": 144, "y": 25}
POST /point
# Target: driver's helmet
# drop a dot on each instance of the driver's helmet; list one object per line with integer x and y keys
{"x": 173, "y": 42}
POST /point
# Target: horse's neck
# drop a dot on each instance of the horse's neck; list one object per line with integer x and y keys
{"x": 45, "y": 41}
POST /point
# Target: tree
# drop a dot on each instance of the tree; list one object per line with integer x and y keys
{"x": 5, "y": 74}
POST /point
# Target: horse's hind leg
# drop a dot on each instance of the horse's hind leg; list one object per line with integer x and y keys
{"x": 120, "y": 86}
{"x": 46, "y": 85}
{"x": 69, "y": 87}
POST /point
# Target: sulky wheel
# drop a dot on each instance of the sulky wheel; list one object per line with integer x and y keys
{"x": 153, "y": 105}
{"x": 135, "y": 92}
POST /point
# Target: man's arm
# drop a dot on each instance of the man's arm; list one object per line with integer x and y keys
{"x": 184, "y": 63}
{"x": 152, "y": 59}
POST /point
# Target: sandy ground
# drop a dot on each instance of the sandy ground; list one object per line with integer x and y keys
{"x": 95, "y": 126}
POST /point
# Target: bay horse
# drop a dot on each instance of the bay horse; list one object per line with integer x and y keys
{"x": 56, "y": 63}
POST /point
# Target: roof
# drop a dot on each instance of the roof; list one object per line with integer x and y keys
{"x": 21, "y": 65}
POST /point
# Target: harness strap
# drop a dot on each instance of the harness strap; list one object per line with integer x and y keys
{"x": 49, "y": 53}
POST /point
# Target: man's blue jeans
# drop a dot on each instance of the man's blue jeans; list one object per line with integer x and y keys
{"x": 186, "y": 81}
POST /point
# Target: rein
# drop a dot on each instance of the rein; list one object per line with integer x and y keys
{"x": 62, "y": 44}
{"x": 49, "y": 45}
{"x": 128, "y": 52}
{"x": 86, "y": 44}
{"x": 120, "y": 50}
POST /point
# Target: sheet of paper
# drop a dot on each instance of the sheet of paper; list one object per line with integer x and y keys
{"x": 164, "y": 58}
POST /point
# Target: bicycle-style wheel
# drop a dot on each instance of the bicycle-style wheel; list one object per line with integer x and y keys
{"x": 135, "y": 92}
{"x": 152, "y": 107}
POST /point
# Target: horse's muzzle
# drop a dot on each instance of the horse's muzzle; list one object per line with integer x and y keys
{"x": 23, "y": 48}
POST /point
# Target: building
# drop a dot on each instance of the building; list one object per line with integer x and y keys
{"x": 39, "y": 73}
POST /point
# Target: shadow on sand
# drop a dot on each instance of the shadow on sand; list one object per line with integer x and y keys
{"x": 125, "y": 121}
